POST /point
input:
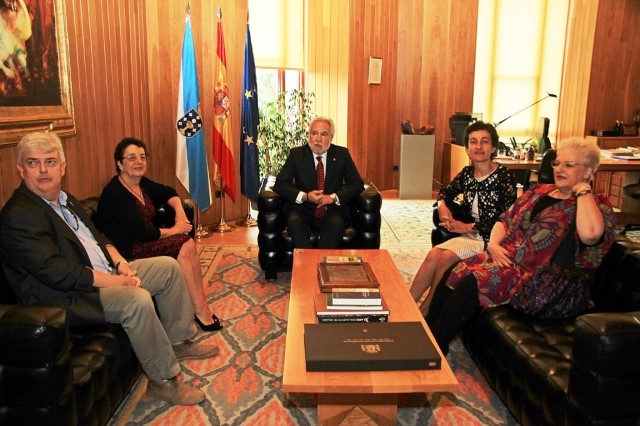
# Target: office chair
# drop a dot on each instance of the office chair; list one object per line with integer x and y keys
{"x": 544, "y": 172}
{"x": 633, "y": 191}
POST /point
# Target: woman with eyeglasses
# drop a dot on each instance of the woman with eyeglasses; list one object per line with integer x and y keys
{"x": 125, "y": 215}
{"x": 564, "y": 220}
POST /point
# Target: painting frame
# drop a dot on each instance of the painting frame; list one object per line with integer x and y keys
{"x": 16, "y": 121}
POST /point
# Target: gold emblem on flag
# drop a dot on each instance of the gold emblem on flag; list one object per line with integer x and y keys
{"x": 221, "y": 102}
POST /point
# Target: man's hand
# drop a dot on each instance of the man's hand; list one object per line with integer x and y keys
{"x": 124, "y": 268}
{"x": 315, "y": 196}
{"x": 102, "y": 280}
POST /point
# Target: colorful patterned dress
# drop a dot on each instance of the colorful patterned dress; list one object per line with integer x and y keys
{"x": 532, "y": 242}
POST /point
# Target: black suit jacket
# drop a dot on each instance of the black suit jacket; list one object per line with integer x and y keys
{"x": 299, "y": 174}
{"x": 44, "y": 261}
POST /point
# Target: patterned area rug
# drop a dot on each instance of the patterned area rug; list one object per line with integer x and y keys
{"x": 244, "y": 383}
{"x": 406, "y": 225}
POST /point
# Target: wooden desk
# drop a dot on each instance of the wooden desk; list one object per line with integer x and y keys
{"x": 606, "y": 165}
{"x": 337, "y": 392}
{"x": 612, "y": 176}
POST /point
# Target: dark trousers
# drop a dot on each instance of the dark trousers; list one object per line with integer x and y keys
{"x": 330, "y": 229}
{"x": 450, "y": 309}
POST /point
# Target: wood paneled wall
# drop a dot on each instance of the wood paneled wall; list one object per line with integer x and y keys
{"x": 436, "y": 62}
{"x": 327, "y": 64}
{"x": 164, "y": 33}
{"x": 602, "y": 65}
{"x": 372, "y": 128}
{"x": 125, "y": 64}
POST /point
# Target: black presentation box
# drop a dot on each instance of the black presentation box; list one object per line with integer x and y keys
{"x": 369, "y": 347}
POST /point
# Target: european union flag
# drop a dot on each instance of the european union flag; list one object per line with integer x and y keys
{"x": 249, "y": 174}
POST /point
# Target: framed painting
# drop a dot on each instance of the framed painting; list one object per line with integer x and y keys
{"x": 35, "y": 84}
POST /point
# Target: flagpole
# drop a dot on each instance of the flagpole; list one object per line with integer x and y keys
{"x": 223, "y": 226}
{"x": 201, "y": 232}
{"x": 248, "y": 221}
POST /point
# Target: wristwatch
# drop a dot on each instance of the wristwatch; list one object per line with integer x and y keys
{"x": 333, "y": 197}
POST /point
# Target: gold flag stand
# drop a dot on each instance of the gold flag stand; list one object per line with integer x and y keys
{"x": 248, "y": 221}
{"x": 223, "y": 226}
{"x": 200, "y": 232}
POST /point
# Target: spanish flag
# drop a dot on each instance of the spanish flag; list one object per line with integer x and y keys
{"x": 222, "y": 120}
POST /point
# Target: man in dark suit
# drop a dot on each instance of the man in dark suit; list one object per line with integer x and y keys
{"x": 318, "y": 181}
{"x": 52, "y": 254}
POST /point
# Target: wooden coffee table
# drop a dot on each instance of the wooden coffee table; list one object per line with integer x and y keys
{"x": 338, "y": 392}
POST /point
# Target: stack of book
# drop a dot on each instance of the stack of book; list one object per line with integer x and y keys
{"x": 351, "y": 305}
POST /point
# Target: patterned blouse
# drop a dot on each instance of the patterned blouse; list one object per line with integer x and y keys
{"x": 496, "y": 193}
{"x": 532, "y": 242}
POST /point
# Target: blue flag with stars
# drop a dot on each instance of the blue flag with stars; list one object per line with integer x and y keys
{"x": 249, "y": 174}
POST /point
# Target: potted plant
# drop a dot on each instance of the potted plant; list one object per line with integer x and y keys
{"x": 284, "y": 124}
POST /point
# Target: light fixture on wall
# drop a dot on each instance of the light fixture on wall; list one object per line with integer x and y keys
{"x": 375, "y": 70}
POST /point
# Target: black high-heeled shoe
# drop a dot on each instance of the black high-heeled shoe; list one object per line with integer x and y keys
{"x": 210, "y": 327}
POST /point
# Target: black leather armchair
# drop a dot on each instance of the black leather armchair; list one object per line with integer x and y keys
{"x": 275, "y": 248}
{"x": 578, "y": 371}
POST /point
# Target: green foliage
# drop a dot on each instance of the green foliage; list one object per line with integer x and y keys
{"x": 284, "y": 124}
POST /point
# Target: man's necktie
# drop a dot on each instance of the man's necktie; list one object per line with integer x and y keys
{"x": 320, "y": 211}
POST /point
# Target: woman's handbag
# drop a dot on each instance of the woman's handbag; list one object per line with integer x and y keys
{"x": 558, "y": 291}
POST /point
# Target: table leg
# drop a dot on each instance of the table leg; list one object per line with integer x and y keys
{"x": 356, "y": 409}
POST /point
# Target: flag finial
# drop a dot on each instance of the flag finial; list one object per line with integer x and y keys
{"x": 219, "y": 14}
{"x": 187, "y": 9}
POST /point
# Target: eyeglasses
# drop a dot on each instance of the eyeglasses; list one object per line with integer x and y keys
{"x": 315, "y": 133}
{"x": 133, "y": 157}
{"x": 64, "y": 208}
{"x": 33, "y": 163}
{"x": 565, "y": 164}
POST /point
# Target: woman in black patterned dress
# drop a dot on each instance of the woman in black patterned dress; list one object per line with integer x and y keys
{"x": 126, "y": 210}
{"x": 488, "y": 189}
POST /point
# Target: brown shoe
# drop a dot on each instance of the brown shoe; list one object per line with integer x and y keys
{"x": 191, "y": 350}
{"x": 175, "y": 391}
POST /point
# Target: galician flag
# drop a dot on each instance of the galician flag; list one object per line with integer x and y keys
{"x": 222, "y": 120}
{"x": 192, "y": 168}
{"x": 249, "y": 179}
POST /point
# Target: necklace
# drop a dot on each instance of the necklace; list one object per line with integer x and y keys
{"x": 139, "y": 196}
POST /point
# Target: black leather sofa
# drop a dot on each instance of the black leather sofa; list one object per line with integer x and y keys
{"x": 275, "y": 248}
{"x": 581, "y": 371}
{"x": 52, "y": 375}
